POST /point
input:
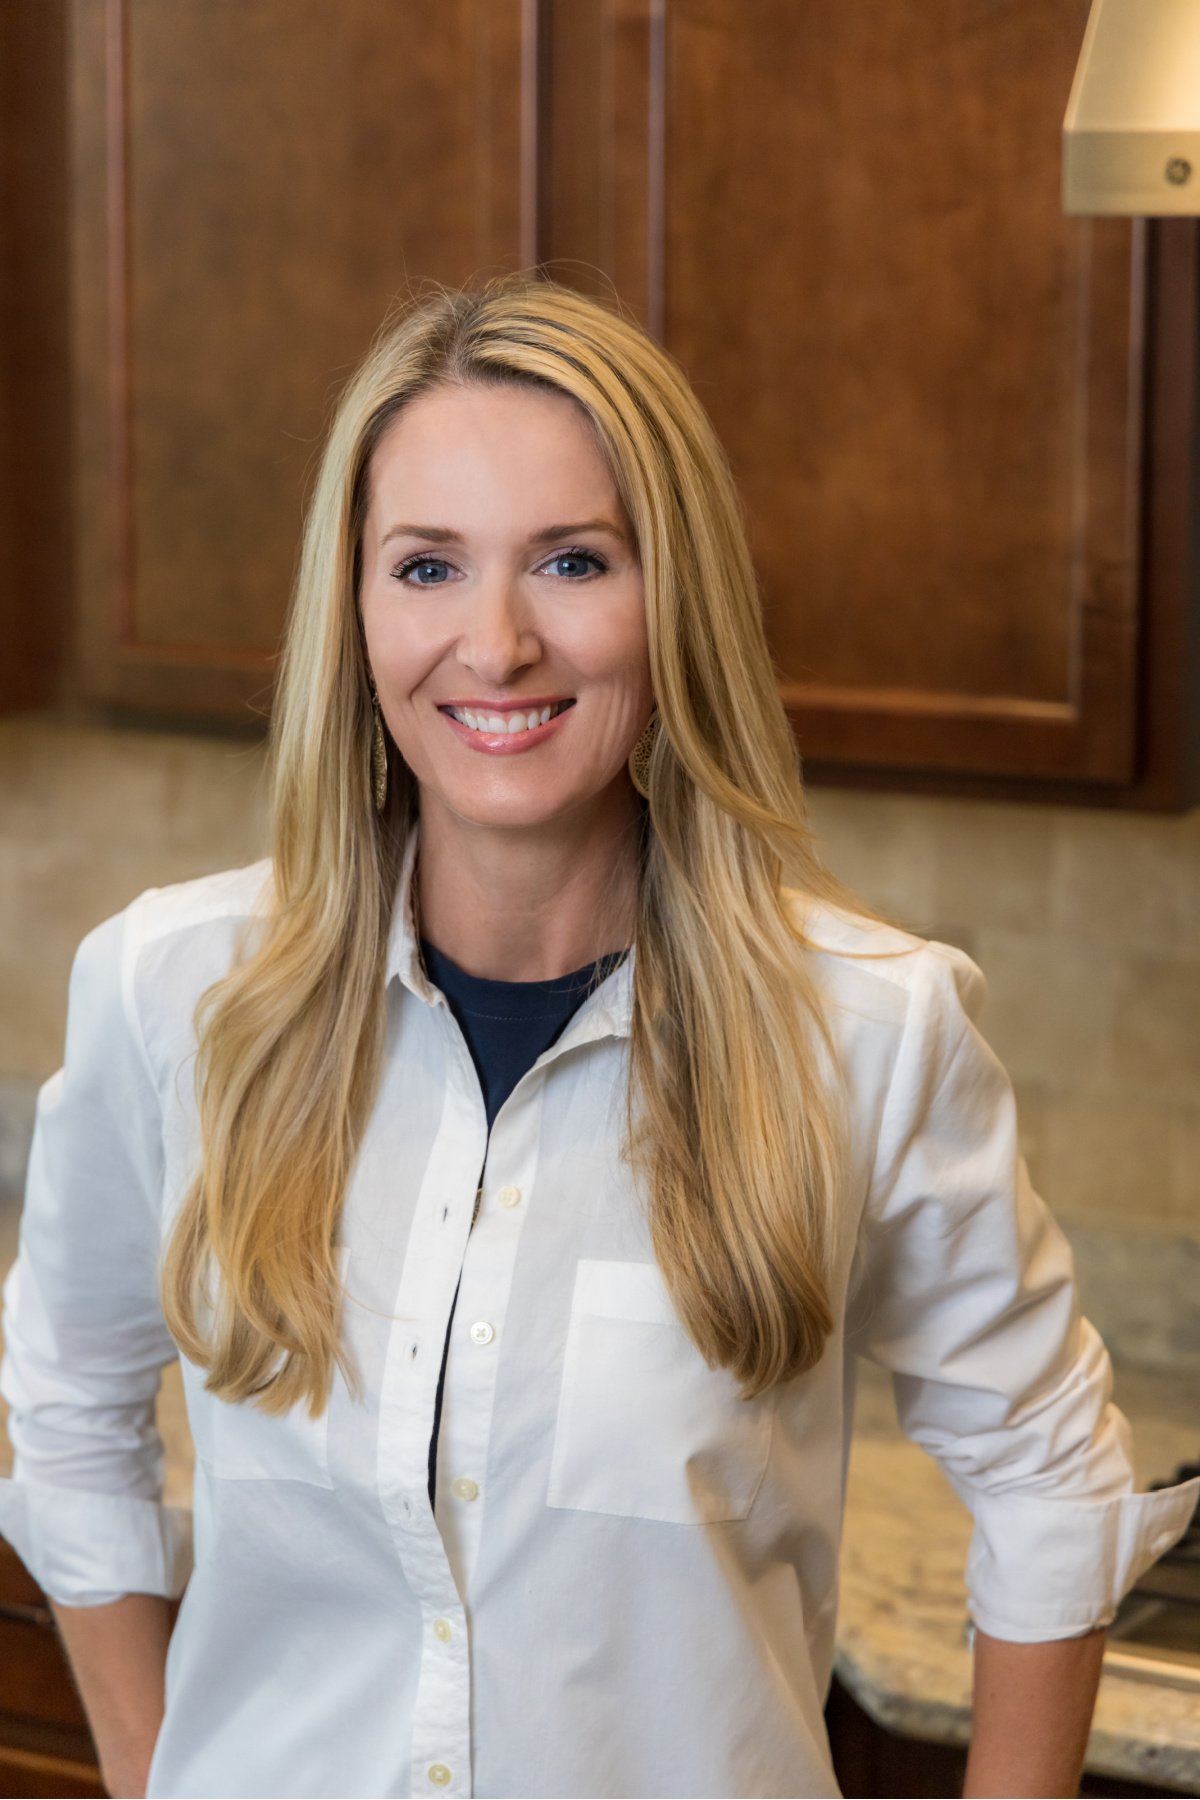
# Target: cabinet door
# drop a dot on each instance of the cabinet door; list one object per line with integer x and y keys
{"x": 845, "y": 222}
{"x": 46, "y": 1746}
{"x": 253, "y": 182}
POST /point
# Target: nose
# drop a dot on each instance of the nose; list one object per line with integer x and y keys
{"x": 499, "y": 636}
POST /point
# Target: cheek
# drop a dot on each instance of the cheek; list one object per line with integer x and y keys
{"x": 611, "y": 645}
{"x": 399, "y": 643}
{"x": 374, "y": 622}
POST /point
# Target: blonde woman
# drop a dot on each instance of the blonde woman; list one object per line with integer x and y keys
{"x": 520, "y": 1159}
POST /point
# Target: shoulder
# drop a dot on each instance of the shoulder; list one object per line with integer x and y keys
{"x": 170, "y": 943}
{"x": 136, "y": 976}
{"x": 885, "y": 972}
{"x": 190, "y": 907}
{"x": 120, "y": 942}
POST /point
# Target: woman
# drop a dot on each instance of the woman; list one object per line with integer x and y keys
{"x": 625, "y": 1128}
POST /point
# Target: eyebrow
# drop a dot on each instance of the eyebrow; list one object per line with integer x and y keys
{"x": 441, "y": 534}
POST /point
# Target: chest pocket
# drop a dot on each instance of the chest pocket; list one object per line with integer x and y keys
{"x": 644, "y": 1427}
{"x": 240, "y": 1442}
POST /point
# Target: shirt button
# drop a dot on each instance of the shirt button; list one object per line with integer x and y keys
{"x": 465, "y": 1488}
{"x": 439, "y": 1774}
{"x": 442, "y": 1629}
{"x": 1162, "y": 1542}
{"x": 482, "y": 1332}
{"x": 510, "y": 1196}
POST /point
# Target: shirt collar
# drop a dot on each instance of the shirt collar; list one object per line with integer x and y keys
{"x": 608, "y": 1010}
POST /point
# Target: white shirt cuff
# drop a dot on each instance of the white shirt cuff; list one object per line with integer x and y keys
{"x": 84, "y": 1548}
{"x": 1047, "y": 1568}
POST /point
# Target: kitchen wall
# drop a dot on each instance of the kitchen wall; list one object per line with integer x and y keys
{"x": 1086, "y": 925}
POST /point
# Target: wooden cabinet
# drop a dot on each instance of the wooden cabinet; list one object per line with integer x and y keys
{"x": 965, "y": 425}
{"x": 253, "y": 183}
{"x": 45, "y": 1744}
{"x": 871, "y": 1760}
{"x": 35, "y": 419}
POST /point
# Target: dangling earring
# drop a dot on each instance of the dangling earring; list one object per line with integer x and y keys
{"x": 379, "y": 767}
{"x": 639, "y": 756}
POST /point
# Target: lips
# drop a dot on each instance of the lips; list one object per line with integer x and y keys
{"x": 506, "y": 742}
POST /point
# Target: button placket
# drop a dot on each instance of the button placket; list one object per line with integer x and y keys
{"x": 470, "y": 1251}
{"x": 477, "y": 1342}
{"x": 441, "y": 1717}
{"x": 441, "y": 1744}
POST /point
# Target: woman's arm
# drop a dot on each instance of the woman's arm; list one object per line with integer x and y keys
{"x": 1033, "y": 1707}
{"x": 118, "y": 1655}
{"x": 966, "y": 1292}
{"x": 85, "y": 1343}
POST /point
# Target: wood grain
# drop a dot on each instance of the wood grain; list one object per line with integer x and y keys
{"x": 256, "y": 183}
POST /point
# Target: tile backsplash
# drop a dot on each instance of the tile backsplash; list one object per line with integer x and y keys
{"x": 1085, "y": 924}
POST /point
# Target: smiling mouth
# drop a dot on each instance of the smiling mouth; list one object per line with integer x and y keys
{"x": 509, "y": 723}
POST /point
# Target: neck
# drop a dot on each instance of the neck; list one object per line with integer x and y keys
{"x": 528, "y": 903}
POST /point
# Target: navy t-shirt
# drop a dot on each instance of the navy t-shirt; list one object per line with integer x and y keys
{"x": 507, "y": 1025}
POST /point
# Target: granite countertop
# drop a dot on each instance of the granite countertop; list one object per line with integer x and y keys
{"x": 901, "y": 1644}
{"x": 902, "y": 1650}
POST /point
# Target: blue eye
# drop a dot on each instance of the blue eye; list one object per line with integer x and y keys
{"x": 420, "y": 562}
{"x": 578, "y": 556}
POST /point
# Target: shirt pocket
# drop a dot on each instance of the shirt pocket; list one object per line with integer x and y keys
{"x": 240, "y": 1442}
{"x": 645, "y": 1429}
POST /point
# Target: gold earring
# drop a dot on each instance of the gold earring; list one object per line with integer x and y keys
{"x": 379, "y": 767}
{"x": 639, "y": 757}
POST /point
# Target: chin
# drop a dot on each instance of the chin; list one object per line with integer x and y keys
{"x": 516, "y": 811}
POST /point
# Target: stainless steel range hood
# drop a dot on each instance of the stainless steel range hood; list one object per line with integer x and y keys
{"x": 1131, "y": 136}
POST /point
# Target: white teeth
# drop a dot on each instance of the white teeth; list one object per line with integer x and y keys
{"x": 493, "y": 722}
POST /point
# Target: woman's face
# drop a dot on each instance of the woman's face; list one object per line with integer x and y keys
{"x": 499, "y": 578}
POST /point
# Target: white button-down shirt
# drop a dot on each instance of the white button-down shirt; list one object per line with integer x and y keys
{"x": 630, "y": 1583}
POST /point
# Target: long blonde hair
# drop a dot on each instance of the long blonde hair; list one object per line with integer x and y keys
{"x": 733, "y": 1119}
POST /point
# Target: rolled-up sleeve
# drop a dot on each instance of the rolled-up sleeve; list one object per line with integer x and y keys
{"x": 966, "y": 1292}
{"x": 85, "y": 1341}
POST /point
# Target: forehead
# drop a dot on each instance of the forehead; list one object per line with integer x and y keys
{"x": 454, "y": 449}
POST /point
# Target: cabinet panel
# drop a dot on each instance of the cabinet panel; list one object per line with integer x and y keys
{"x": 254, "y": 182}
{"x": 46, "y": 1746}
{"x": 34, "y": 391}
{"x": 929, "y": 381}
